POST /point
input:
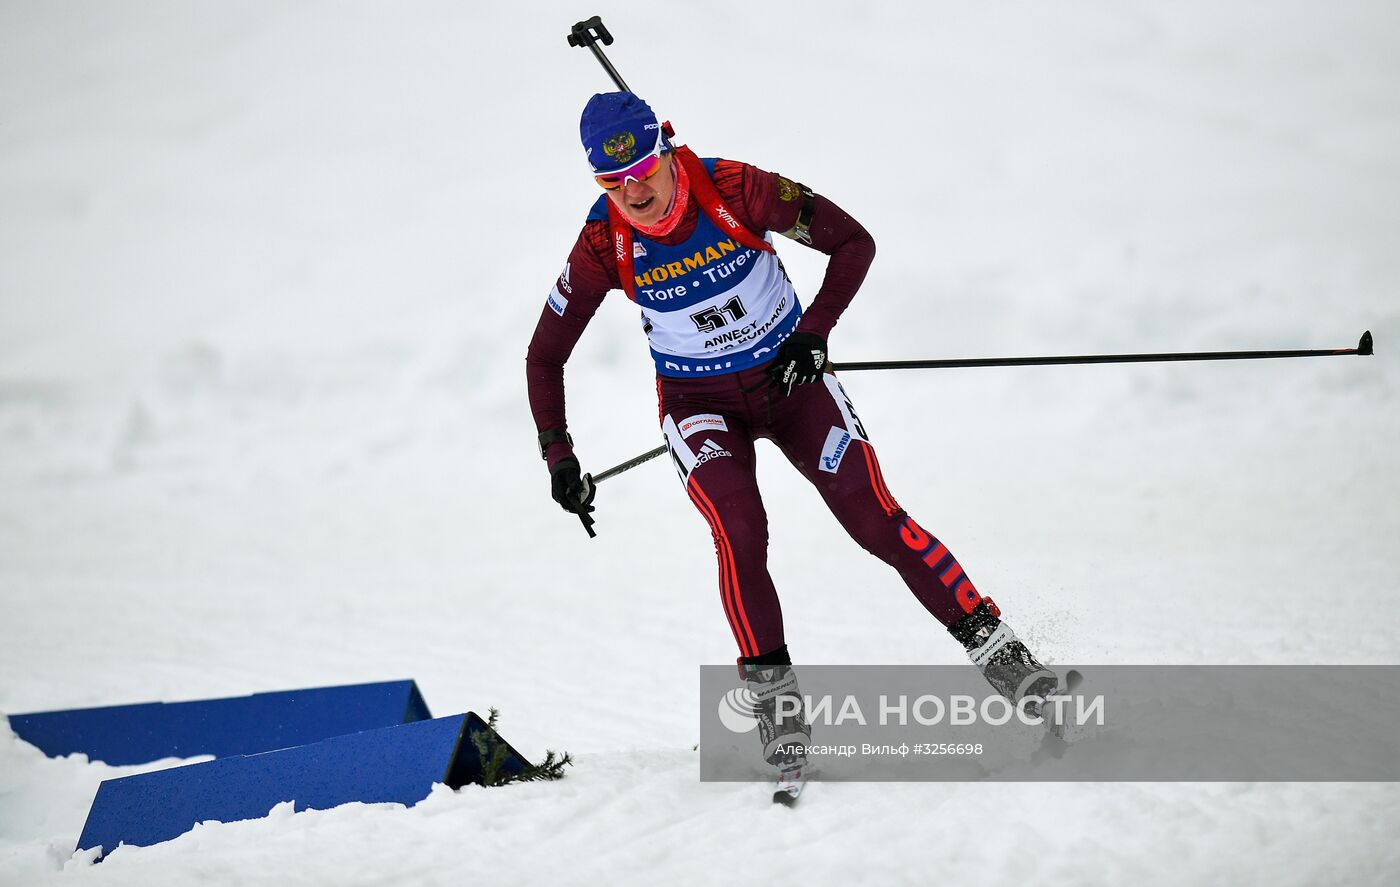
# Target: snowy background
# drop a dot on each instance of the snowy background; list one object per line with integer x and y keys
{"x": 267, "y": 275}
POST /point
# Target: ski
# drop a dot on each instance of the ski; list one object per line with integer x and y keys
{"x": 1055, "y": 742}
{"x": 790, "y": 783}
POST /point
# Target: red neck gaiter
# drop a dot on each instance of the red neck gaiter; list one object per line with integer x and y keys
{"x": 679, "y": 202}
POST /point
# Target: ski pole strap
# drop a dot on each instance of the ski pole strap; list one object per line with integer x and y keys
{"x": 584, "y": 517}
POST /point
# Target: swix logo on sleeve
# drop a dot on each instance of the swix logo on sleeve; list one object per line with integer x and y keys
{"x": 621, "y": 246}
{"x": 702, "y": 422}
{"x": 837, "y": 440}
{"x": 725, "y": 216}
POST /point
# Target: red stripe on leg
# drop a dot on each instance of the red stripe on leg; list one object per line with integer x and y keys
{"x": 886, "y": 498}
{"x": 734, "y": 604}
{"x": 880, "y": 475}
{"x": 877, "y": 483}
{"x": 725, "y": 585}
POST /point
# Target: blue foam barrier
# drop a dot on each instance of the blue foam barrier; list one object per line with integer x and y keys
{"x": 137, "y": 734}
{"x": 393, "y": 764}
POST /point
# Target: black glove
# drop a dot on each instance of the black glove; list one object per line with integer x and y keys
{"x": 801, "y": 359}
{"x": 570, "y": 489}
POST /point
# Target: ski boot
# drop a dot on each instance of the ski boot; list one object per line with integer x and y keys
{"x": 785, "y": 736}
{"x": 1004, "y": 661}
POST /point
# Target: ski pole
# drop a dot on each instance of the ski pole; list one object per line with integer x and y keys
{"x": 588, "y": 33}
{"x": 1363, "y": 348}
{"x": 591, "y": 481}
{"x": 595, "y": 479}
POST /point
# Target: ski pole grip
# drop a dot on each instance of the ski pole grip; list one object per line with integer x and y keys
{"x": 589, "y": 489}
{"x": 586, "y": 33}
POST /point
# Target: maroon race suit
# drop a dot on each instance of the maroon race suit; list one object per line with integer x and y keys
{"x": 711, "y": 422}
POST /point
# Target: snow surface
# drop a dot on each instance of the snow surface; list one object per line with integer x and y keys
{"x": 267, "y": 273}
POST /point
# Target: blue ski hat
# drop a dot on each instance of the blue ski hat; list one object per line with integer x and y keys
{"x": 617, "y": 130}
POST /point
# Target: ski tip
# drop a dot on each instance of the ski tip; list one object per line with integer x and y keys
{"x": 1366, "y": 346}
{"x": 786, "y": 798}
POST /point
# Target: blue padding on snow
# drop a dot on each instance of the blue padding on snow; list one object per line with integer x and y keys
{"x": 244, "y": 725}
{"x": 394, "y": 764}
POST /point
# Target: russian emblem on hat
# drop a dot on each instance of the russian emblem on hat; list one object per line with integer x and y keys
{"x": 621, "y": 147}
{"x": 616, "y": 128}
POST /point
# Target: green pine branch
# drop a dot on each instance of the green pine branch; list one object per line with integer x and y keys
{"x": 494, "y": 753}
